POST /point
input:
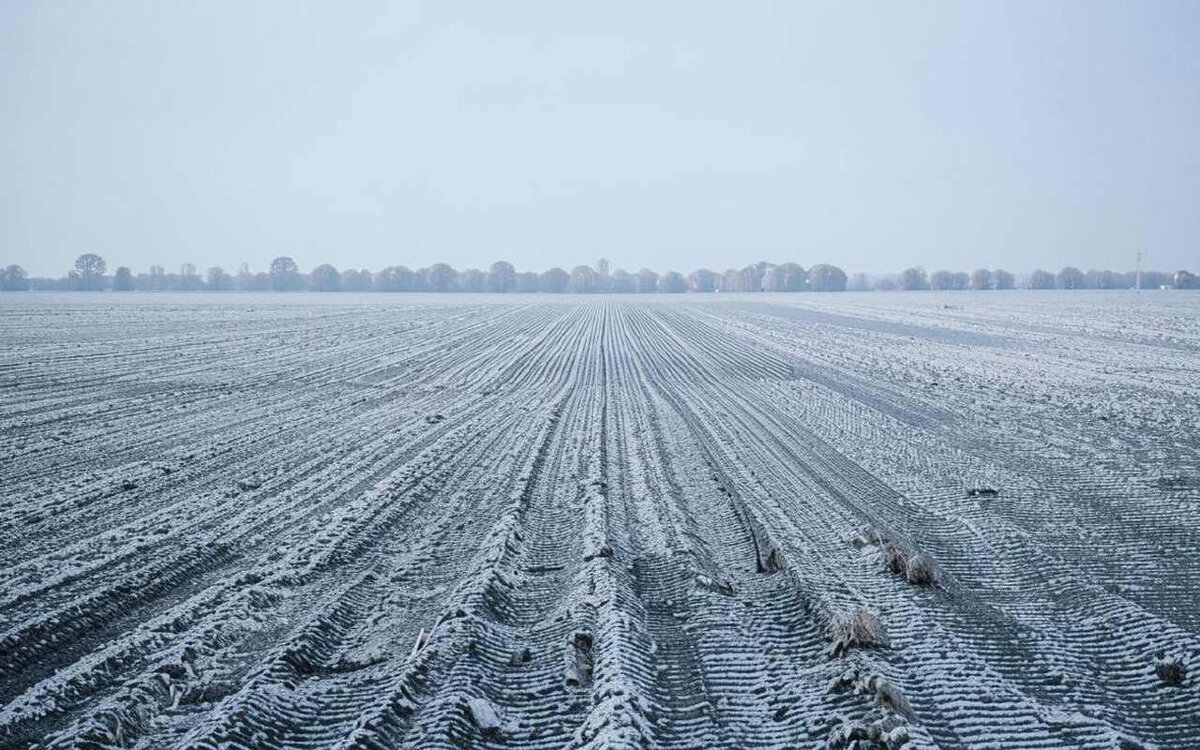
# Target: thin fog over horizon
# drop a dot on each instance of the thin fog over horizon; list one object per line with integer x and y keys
{"x": 873, "y": 136}
{"x": 402, "y": 375}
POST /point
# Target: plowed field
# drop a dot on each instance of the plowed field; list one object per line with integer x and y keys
{"x": 919, "y": 520}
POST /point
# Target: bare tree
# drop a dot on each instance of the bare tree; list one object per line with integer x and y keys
{"x": 90, "y": 269}
{"x": 785, "y": 277}
{"x": 622, "y": 282}
{"x": 394, "y": 279}
{"x": 647, "y": 281}
{"x": 732, "y": 281}
{"x": 948, "y": 281}
{"x": 1040, "y": 279}
{"x": 584, "y": 280}
{"x": 527, "y": 282}
{"x": 14, "y": 279}
{"x": 1070, "y": 278}
{"x": 123, "y": 280}
{"x": 826, "y": 278}
{"x": 752, "y": 277}
{"x": 442, "y": 278}
{"x": 672, "y": 282}
{"x": 554, "y": 281}
{"x": 1106, "y": 280}
{"x": 285, "y": 274}
{"x": 913, "y": 279}
{"x": 218, "y": 280}
{"x": 356, "y": 280}
{"x": 702, "y": 280}
{"x": 189, "y": 280}
{"x": 155, "y": 279}
{"x": 325, "y": 278}
{"x": 473, "y": 280}
{"x": 502, "y": 277}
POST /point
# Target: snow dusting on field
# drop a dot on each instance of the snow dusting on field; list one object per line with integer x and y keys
{"x": 963, "y": 520}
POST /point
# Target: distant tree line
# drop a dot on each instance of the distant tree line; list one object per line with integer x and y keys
{"x": 90, "y": 273}
{"x": 915, "y": 278}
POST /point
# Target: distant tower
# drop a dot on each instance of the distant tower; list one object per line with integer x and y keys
{"x": 1137, "y": 276}
{"x": 602, "y": 266}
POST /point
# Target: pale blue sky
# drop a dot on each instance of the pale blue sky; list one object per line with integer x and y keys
{"x": 670, "y": 135}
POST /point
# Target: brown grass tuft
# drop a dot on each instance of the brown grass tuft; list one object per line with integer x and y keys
{"x": 895, "y": 559}
{"x": 889, "y": 696}
{"x": 922, "y": 570}
{"x": 1170, "y": 670}
{"x": 861, "y": 629}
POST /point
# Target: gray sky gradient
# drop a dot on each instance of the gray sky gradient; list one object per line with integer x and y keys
{"x": 668, "y": 135}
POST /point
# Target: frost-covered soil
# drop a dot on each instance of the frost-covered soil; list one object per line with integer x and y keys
{"x": 964, "y": 521}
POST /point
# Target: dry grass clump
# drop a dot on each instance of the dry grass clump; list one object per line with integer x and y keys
{"x": 861, "y": 629}
{"x": 919, "y": 569}
{"x": 884, "y": 727}
{"x": 845, "y": 682}
{"x": 922, "y": 570}
{"x": 580, "y": 661}
{"x": 772, "y": 561}
{"x": 895, "y": 559}
{"x": 1170, "y": 670}
{"x": 878, "y": 730}
{"x": 889, "y": 696}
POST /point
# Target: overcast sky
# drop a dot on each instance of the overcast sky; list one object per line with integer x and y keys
{"x": 668, "y": 135}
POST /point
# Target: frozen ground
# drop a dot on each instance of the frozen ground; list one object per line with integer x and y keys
{"x": 380, "y": 521}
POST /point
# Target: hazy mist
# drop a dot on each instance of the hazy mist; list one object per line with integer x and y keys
{"x": 662, "y": 135}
